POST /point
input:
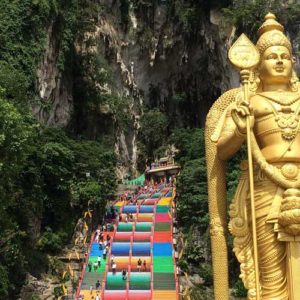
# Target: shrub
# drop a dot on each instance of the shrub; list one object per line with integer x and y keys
{"x": 49, "y": 241}
{"x": 206, "y": 273}
{"x": 238, "y": 289}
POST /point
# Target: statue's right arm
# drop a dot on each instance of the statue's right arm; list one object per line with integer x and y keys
{"x": 230, "y": 139}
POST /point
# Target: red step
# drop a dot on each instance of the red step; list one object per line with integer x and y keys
{"x": 162, "y": 237}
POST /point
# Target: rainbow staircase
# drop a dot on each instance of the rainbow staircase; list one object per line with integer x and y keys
{"x": 148, "y": 236}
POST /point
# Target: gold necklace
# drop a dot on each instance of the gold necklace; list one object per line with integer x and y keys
{"x": 281, "y": 101}
{"x": 287, "y": 121}
{"x": 288, "y": 124}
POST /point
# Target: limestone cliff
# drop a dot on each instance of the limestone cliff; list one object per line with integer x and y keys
{"x": 155, "y": 60}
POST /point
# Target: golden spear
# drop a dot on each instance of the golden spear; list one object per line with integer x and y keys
{"x": 244, "y": 56}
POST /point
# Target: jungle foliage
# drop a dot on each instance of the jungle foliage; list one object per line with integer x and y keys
{"x": 247, "y": 16}
{"x": 44, "y": 185}
{"x": 44, "y": 189}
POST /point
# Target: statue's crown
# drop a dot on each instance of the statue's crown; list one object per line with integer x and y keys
{"x": 271, "y": 34}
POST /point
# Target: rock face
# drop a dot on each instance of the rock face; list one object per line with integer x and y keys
{"x": 154, "y": 61}
{"x": 36, "y": 287}
{"x": 293, "y": 32}
{"x": 55, "y": 89}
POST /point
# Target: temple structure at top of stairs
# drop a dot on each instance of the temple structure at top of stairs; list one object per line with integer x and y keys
{"x": 164, "y": 168}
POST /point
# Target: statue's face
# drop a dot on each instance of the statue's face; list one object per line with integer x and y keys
{"x": 276, "y": 65}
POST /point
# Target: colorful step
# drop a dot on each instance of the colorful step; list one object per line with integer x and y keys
{"x": 163, "y": 264}
{"x": 143, "y": 226}
{"x": 90, "y": 279}
{"x": 162, "y": 236}
{"x": 162, "y": 249}
{"x": 120, "y": 249}
{"x": 121, "y": 262}
{"x": 141, "y": 237}
{"x": 165, "y": 201}
{"x": 146, "y": 209}
{"x": 147, "y": 237}
{"x": 141, "y": 249}
{"x": 162, "y": 226}
{"x": 125, "y": 226}
{"x": 156, "y": 195}
{"x": 164, "y": 295}
{"x": 139, "y": 281}
{"x": 129, "y": 209}
{"x": 163, "y": 217}
{"x": 114, "y": 295}
{"x": 134, "y": 263}
{"x": 115, "y": 281}
{"x": 162, "y": 208}
{"x": 123, "y": 236}
{"x": 144, "y": 217}
{"x": 139, "y": 295}
{"x": 164, "y": 281}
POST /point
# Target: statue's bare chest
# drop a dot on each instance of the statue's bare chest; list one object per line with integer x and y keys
{"x": 276, "y": 117}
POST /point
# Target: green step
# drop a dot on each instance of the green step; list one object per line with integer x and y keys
{"x": 143, "y": 226}
{"x": 90, "y": 279}
{"x": 162, "y": 208}
{"x": 125, "y": 227}
{"x": 162, "y": 226}
{"x": 163, "y": 264}
{"x": 99, "y": 270}
{"x": 139, "y": 281}
{"x": 164, "y": 281}
{"x": 115, "y": 281}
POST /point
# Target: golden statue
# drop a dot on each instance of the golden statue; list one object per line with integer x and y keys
{"x": 264, "y": 113}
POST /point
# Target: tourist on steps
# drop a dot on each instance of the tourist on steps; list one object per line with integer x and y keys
{"x": 144, "y": 265}
{"x": 139, "y": 265}
{"x": 98, "y": 230}
{"x": 95, "y": 266}
{"x": 108, "y": 238}
{"x": 97, "y": 238}
{"x": 98, "y": 285}
{"x": 90, "y": 266}
{"x": 112, "y": 259}
{"x": 99, "y": 261}
{"x": 114, "y": 268}
{"x": 124, "y": 274}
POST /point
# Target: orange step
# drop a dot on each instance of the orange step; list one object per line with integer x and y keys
{"x": 164, "y": 295}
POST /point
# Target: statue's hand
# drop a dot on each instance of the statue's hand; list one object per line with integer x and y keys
{"x": 239, "y": 115}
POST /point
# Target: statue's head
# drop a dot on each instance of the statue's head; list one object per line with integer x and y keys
{"x": 276, "y": 63}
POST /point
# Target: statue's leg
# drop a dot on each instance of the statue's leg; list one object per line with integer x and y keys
{"x": 271, "y": 252}
{"x": 272, "y": 262}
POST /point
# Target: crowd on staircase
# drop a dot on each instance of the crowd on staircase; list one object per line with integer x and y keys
{"x": 133, "y": 254}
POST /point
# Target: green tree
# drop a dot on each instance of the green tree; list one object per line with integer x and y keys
{"x": 248, "y": 15}
{"x": 153, "y": 132}
{"x": 192, "y": 207}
